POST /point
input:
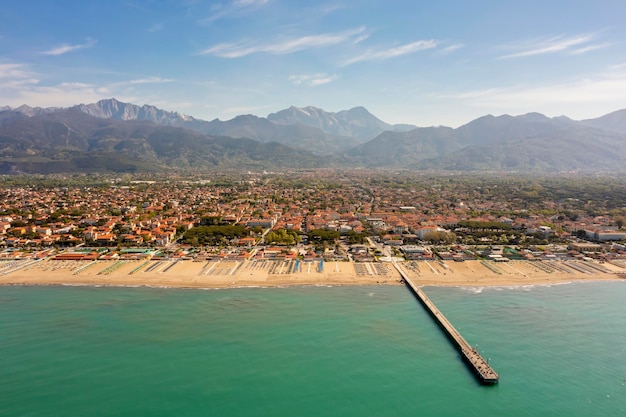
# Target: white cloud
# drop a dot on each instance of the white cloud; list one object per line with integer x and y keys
{"x": 323, "y": 80}
{"x": 590, "y": 48}
{"x": 14, "y": 71}
{"x": 470, "y": 94}
{"x": 19, "y": 85}
{"x": 221, "y": 11}
{"x": 361, "y": 38}
{"x": 281, "y": 46}
{"x": 248, "y": 3}
{"x": 324, "y": 10}
{"x": 61, "y": 95}
{"x": 382, "y": 54}
{"x": 63, "y": 49}
{"x": 618, "y": 66}
{"x": 150, "y": 80}
{"x": 451, "y": 48}
{"x": 581, "y": 98}
{"x": 573, "y": 45}
{"x": 14, "y": 77}
{"x": 135, "y": 82}
{"x": 312, "y": 80}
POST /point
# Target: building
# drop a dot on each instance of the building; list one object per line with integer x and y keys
{"x": 604, "y": 235}
{"x": 585, "y": 247}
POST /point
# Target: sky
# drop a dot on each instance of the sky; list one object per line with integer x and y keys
{"x": 426, "y": 63}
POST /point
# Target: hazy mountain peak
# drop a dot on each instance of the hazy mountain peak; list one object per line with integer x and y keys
{"x": 309, "y": 111}
{"x": 29, "y": 111}
{"x": 112, "y": 108}
{"x": 24, "y": 108}
{"x": 356, "y": 123}
{"x": 243, "y": 117}
{"x": 615, "y": 121}
{"x": 534, "y": 116}
{"x": 358, "y": 110}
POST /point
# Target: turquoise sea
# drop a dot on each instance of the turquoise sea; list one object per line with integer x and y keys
{"x": 310, "y": 351}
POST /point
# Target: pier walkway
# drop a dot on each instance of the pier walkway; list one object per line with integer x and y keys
{"x": 477, "y": 363}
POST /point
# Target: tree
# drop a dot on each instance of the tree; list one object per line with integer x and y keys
{"x": 324, "y": 235}
{"x": 282, "y": 237}
{"x": 356, "y": 238}
{"x": 214, "y": 235}
{"x": 440, "y": 237}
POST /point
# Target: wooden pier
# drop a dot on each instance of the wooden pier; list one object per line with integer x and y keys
{"x": 481, "y": 368}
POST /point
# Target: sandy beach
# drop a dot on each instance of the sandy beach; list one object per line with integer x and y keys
{"x": 271, "y": 273}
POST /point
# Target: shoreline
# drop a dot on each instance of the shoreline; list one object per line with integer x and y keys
{"x": 299, "y": 285}
{"x": 223, "y": 274}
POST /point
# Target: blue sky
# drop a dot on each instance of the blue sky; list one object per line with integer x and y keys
{"x": 421, "y": 62}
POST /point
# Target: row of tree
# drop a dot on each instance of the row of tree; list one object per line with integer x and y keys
{"x": 213, "y": 235}
{"x": 478, "y": 225}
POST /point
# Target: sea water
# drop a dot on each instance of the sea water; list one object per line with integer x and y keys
{"x": 310, "y": 351}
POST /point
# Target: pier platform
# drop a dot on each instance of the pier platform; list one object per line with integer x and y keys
{"x": 481, "y": 368}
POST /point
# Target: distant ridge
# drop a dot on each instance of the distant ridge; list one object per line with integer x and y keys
{"x": 114, "y": 109}
{"x": 355, "y": 123}
{"x": 615, "y": 122}
{"x": 113, "y": 136}
{"x": 526, "y": 143}
{"x": 299, "y": 136}
{"x": 69, "y": 140}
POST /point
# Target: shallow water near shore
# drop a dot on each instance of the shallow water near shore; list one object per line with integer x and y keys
{"x": 310, "y": 351}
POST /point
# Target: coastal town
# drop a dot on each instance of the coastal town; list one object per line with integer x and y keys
{"x": 345, "y": 225}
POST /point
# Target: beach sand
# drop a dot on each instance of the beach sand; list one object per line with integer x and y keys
{"x": 275, "y": 273}
{"x": 514, "y": 273}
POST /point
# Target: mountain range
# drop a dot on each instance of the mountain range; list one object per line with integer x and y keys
{"x": 113, "y": 136}
{"x": 319, "y": 132}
